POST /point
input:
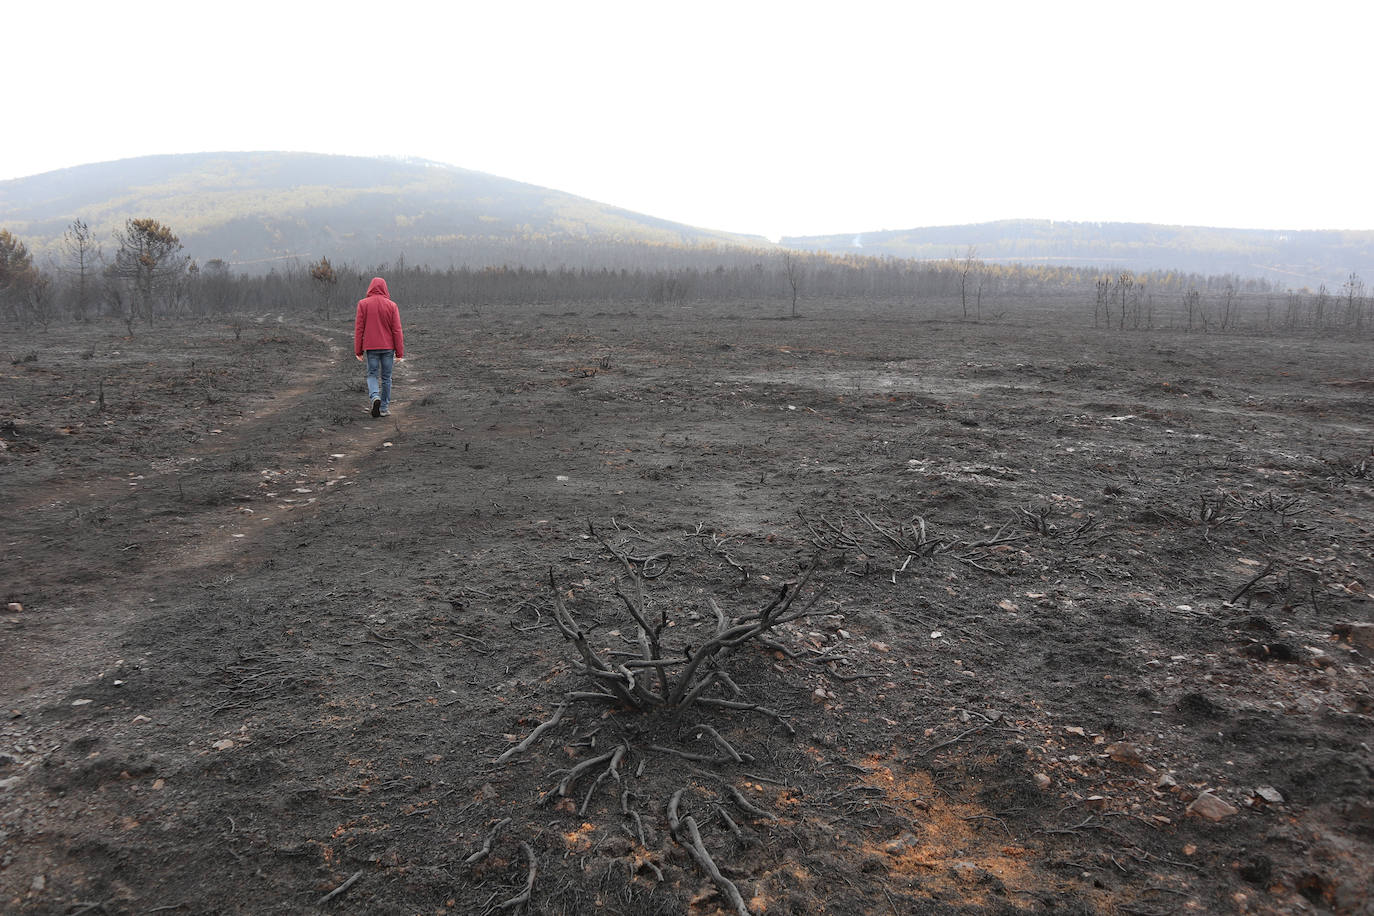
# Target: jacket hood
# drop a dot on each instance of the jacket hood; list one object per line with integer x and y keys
{"x": 378, "y": 288}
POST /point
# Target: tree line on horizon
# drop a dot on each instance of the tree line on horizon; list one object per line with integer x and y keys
{"x": 145, "y": 277}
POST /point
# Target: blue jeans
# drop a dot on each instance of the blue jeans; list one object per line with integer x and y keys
{"x": 380, "y": 363}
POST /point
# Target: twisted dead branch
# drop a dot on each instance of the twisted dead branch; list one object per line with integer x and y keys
{"x": 485, "y": 851}
{"x": 534, "y": 735}
{"x": 697, "y": 849}
{"x": 523, "y": 896}
{"x": 656, "y": 679}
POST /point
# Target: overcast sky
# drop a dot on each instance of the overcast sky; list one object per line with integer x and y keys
{"x": 773, "y": 118}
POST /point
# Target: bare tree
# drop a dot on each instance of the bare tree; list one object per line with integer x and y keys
{"x": 80, "y": 256}
{"x": 1228, "y": 306}
{"x": 42, "y": 305}
{"x": 1192, "y": 302}
{"x": 967, "y": 266}
{"x": 1354, "y": 301}
{"x": 793, "y": 277}
{"x": 1319, "y": 306}
{"x": 1102, "y": 307}
{"x": 1123, "y": 286}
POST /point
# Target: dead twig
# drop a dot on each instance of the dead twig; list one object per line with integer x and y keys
{"x": 1268, "y": 568}
{"x": 725, "y": 745}
{"x": 746, "y": 805}
{"x": 956, "y": 739}
{"x": 340, "y": 889}
{"x": 534, "y": 735}
{"x": 569, "y": 780}
{"x": 708, "y": 865}
{"x": 482, "y": 853}
{"x": 523, "y": 896}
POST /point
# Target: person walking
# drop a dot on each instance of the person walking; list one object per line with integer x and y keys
{"x": 377, "y": 337}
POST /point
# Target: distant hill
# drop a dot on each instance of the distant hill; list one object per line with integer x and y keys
{"x": 267, "y": 207}
{"x": 258, "y": 210}
{"x": 1293, "y": 258}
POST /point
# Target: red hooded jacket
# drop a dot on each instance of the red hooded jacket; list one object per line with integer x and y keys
{"x": 378, "y": 326}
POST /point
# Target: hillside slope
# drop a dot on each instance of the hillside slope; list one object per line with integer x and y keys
{"x": 1294, "y": 258}
{"x": 261, "y": 207}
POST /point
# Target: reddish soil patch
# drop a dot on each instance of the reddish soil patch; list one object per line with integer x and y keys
{"x": 270, "y": 648}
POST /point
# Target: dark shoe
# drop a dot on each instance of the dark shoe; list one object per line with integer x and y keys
{"x": 376, "y": 407}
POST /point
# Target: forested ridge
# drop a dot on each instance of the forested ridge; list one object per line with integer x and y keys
{"x": 1292, "y": 258}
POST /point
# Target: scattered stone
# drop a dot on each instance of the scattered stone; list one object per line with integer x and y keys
{"x": 1270, "y": 794}
{"x": 1074, "y": 730}
{"x": 1359, "y": 634}
{"x": 1190, "y": 849}
{"x": 900, "y": 845}
{"x": 1095, "y": 803}
{"x": 140, "y": 719}
{"x": 1125, "y": 752}
{"x": 1165, "y": 781}
{"x": 223, "y": 744}
{"x": 159, "y": 784}
{"x": 80, "y": 702}
{"x": 14, "y": 607}
{"x": 8, "y": 783}
{"x": 488, "y": 792}
{"x": 38, "y": 884}
{"x": 1211, "y": 807}
{"x": 968, "y": 872}
{"x": 1277, "y": 651}
{"x": 1042, "y": 781}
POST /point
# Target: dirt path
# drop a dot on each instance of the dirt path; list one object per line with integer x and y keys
{"x": 172, "y": 539}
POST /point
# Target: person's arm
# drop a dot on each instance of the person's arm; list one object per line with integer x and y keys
{"x": 358, "y": 324}
{"x": 397, "y": 337}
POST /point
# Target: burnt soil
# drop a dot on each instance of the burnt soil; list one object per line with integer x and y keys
{"x": 264, "y": 651}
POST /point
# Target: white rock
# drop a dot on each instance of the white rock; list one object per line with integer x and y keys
{"x": 1270, "y": 794}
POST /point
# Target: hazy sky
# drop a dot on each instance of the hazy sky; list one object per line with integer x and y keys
{"x": 775, "y": 118}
